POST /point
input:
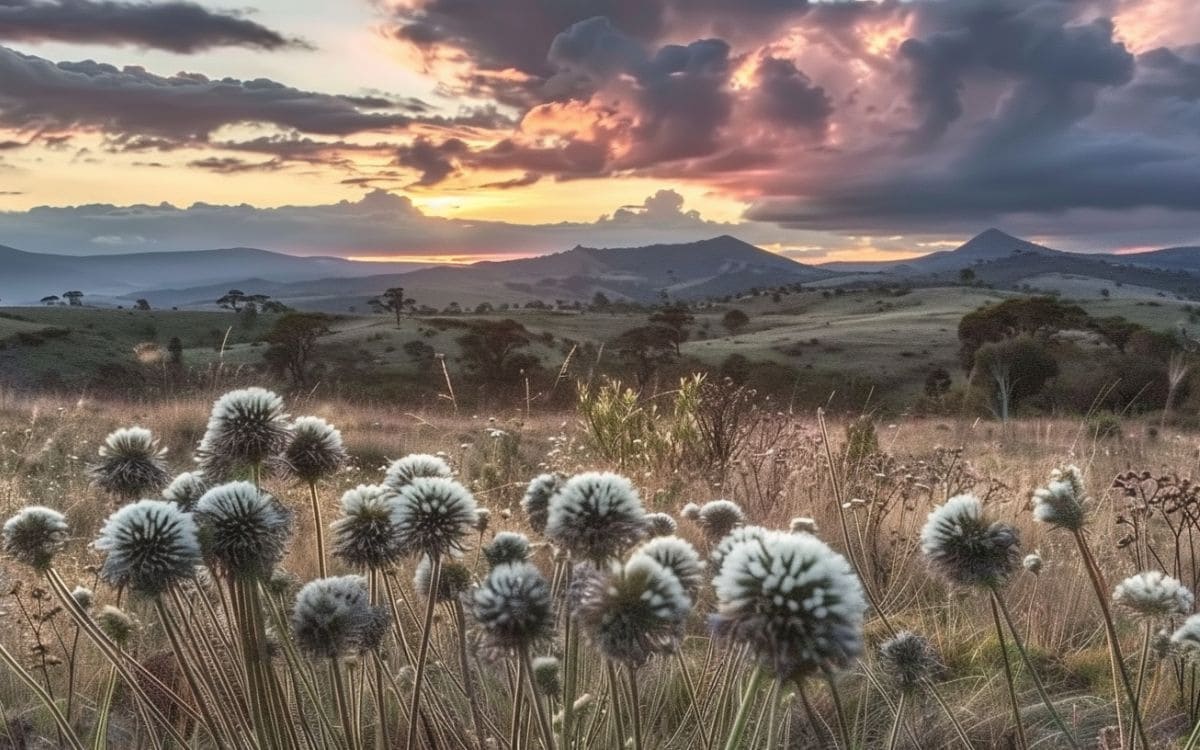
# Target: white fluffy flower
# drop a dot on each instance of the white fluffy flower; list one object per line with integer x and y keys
{"x": 186, "y": 490}
{"x": 35, "y": 535}
{"x": 432, "y": 515}
{"x": 536, "y": 502}
{"x": 366, "y": 535}
{"x": 1032, "y": 563}
{"x": 908, "y": 659}
{"x": 1153, "y": 595}
{"x": 402, "y": 471}
{"x": 596, "y": 516}
{"x": 964, "y": 547}
{"x": 719, "y": 517}
{"x": 151, "y": 546}
{"x": 678, "y": 556}
{"x": 1186, "y": 637}
{"x": 131, "y": 464}
{"x": 333, "y": 617}
{"x": 1061, "y": 503}
{"x": 314, "y": 449}
{"x": 731, "y": 540}
{"x": 247, "y": 427}
{"x": 243, "y": 530}
{"x": 513, "y": 606}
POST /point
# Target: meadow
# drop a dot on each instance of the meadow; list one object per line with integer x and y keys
{"x": 219, "y": 656}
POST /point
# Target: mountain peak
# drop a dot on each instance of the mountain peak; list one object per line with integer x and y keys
{"x": 995, "y": 243}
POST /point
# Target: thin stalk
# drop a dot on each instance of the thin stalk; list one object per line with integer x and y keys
{"x": 734, "y": 741}
{"x": 958, "y": 727}
{"x": 381, "y": 729}
{"x": 435, "y": 575}
{"x": 570, "y": 674}
{"x": 100, "y": 738}
{"x": 343, "y": 705}
{"x": 694, "y": 707}
{"x": 518, "y": 693}
{"x": 64, "y": 726}
{"x": 1008, "y": 679}
{"x": 894, "y": 735}
{"x": 185, "y": 666}
{"x": 614, "y": 689}
{"x": 1193, "y": 740}
{"x": 545, "y": 728}
{"x": 1142, "y": 661}
{"x": 635, "y": 713}
{"x": 468, "y": 678}
{"x": 320, "y": 527}
{"x": 839, "y": 709}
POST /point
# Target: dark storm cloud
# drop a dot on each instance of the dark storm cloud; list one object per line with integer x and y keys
{"x": 573, "y": 158}
{"x": 786, "y": 96}
{"x": 233, "y": 165}
{"x": 525, "y": 180}
{"x": 183, "y": 27}
{"x": 435, "y": 162}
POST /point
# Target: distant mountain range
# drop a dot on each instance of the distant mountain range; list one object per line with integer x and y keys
{"x": 695, "y": 270}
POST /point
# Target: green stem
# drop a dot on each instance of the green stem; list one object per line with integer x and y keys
{"x": 320, "y": 528}
{"x": 614, "y": 689}
{"x": 100, "y": 739}
{"x": 185, "y": 666}
{"x": 839, "y": 709}
{"x": 635, "y": 712}
{"x": 694, "y": 707}
{"x": 435, "y": 575}
{"x": 1141, "y": 678}
{"x": 343, "y": 704}
{"x": 734, "y": 740}
{"x": 1008, "y": 678}
{"x": 64, "y": 727}
{"x": 543, "y": 717}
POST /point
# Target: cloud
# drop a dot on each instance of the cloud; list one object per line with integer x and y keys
{"x": 233, "y": 165}
{"x": 183, "y": 27}
{"x": 787, "y": 97}
{"x": 434, "y": 162}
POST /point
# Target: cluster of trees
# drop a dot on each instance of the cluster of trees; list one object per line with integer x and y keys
{"x": 73, "y": 298}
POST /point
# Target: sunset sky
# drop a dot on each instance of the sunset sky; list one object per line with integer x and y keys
{"x": 468, "y": 129}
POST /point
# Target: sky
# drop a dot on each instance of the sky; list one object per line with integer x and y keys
{"x": 459, "y": 130}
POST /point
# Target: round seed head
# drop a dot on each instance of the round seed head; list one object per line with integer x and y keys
{"x": 1061, "y": 503}
{"x": 965, "y": 548}
{"x": 453, "y": 582}
{"x": 731, "y": 540}
{"x": 660, "y": 524}
{"x": 1032, "y": 563}
{"x": 83, "y": 596}
{"x": 402, "y": 471}
{"x": 366, "y": 535}
{"x": 247, "y": 427}
{"x": 186, "y": 490}
{"x": 1152, "y": 595}
{"x": 632, "y": 611}
{"x": 507, "y": 547}
{"x": 432, "y": 515}
{"x": 35, "y": 535}
{"x": 691, "y": 512}
{"x": 116, "y": 624}
{"x": 151, "y": 546}
{"x": 679, "y": 557}
{"x": 793, "y": 601}
{"x": 803, "y": 525}
{"x": 536, "y": 502}
{"x": 314, "y": 450}
{"x": 333, "y": 617}
{"x": 546, "y": 674}
{"x": 908, "y": 659}
{"x": 1186, "y": 637}
{"x": 719, "y": 517}
{"x": 513, "y": 607}
{"x": 243, "y": 530}
{"x": 596, "y": 516}
{"x": 483, "y": 517}
{"x": 131, "y": 464}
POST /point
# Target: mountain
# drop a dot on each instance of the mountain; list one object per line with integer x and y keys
{"x": 987, "y": 246}
{"x": 27, "y": 277}
{"x": 1185, "y": 259}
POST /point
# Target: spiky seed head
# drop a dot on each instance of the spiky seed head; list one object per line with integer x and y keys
{"x": 536, "y": 502}
{"x": 596, "y": 516}
{"x": 366, "y": 535}
{"x": 281, "y": 582}
{"x": 691, "y": 512}
{"x": 546, "y": 674}
{"x": 432, "y": 515}
{"x": 908, "y": 659}
{"x": 660, "y": 524}
{"x": 1062, "y": 502}
{"x": 453, "y": 581}
{"x": 803, "y": 525}
{"x": 333, "y": 617}
{"x": 513, "y": 607}
{"x": 83, "y": 596}
{"x": 793, "y": 601}
{"x": 314, "y": 450}
{"x": 719, "y": 517}
{"x": 731, "y": 540}
{"x": 116, "y": 624}
{"x": 1153, "y": 595}
{"x": 151, "y": 545}
{"x": 507, "y": 547}
{"x": 680, "y": 557}
{"x": 416, "y": 465}
{"x": 186, "y": 490}
{"x": 1186, "y": 637}
{"x": 967, "y": 549}
{"x": 243, "y": 530}
{"x": 131, "y": 464}
{"x": 483, "y": 517}
{"x": 632, "y": 611}
{"x": 35, "y": 535}
{"x": 1033, "y": 563}
{"x": 247, "y": 427}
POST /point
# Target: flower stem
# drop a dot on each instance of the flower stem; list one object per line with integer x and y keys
{"x": 544, "y": 725}
{"x": 1008, "y": 679}
{"x": 435, "y": 576}
{"x": 894, "y": 736}
{"x": 64, "y": 727}
{"x": 320, "y": 529}
{"x": 635, "y": 712}
{"x": 734, "y": 740}
{"x": 839, "y": 709}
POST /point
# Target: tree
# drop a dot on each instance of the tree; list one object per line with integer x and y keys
{"x": 735, "y": 320}
{"x": 50, "y": 300}
{"x": 646, "y": 348}
{"x": 937, "y": 383}
{"x": 1013, "y": 370}
{"x": 492, "y": 349}
{"x": 1029, "y": 316}
{"x": 142, "y": 305}
{"x": 966, "y": 276}
{"x": 175, "y": 350}
{"x": 292, "y": 344}
{"x": 600, "y": 301}
{"x": 393, "y": 301}
{"x": 73, "y": 298}
{"x": 234, "y": 299}
{"x": 675, "y": 317}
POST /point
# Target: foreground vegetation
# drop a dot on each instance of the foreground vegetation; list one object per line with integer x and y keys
{"x": 224, "y": 654}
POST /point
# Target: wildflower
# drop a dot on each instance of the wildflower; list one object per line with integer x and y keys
{"x": 83, "y": 596}
{"x": 507, "y": 547}
{"x": 1032, "y": 563}
{"x": 243, "y": 530}
{"x": 793, "y": 601}
{"x": 366, "y": 535}
{"x": 116, "y": 624}
{"x": 131, "y": 464}
{"x": 432, "y": 514}
{"x": 719, "y": 517}
{"x": 483, "y": 517}
{"x": 404, "y": 470}
{"x": 691, "y": 512}
{"x": 35, "y": 535}
{"x": 908, "y": 659}
{"x": 546, "y": 671}
{"x": 963, "y": 547}
{"x": 536, "y": 502}
{"x": 731, "y": 540}
{"x": 513, "y": 607}
{"x": 596, "y": 516}
{"x": 333, "y": 617}
{"x": 679, "y": 557}
{"x": 803, "y": 525}
{"x": 660, "y": 524}
{"x": 1061, "y": 502}
{"x": 314, "y": 450}
{"x": 634, "y": 611}
{"x": 247, "y": 427}
{"x": 453, "y": 580}
{"x": 186, "y": 490}
{"x": 1153, "y": 595}
{"x": 1187, "y": 636}
{"x": 151, "y": 546}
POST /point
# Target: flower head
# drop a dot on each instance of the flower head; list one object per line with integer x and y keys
{"x": 536, "y": 502}
{"x": 366, "y": 535}
{"x": 453, "y": 580}
{"x": 803, "y": 525}
{"x": 908, "y": 659}
{"x": 965, "y": 548}
{"x": 186, "y": 490}
{"x": 793, "y": 601}
{"x": 596, "y": 516}
{"x": 507, "y": 547}
{"x": 731, "y": 540}
{"x": 546, "y": 671}
{"x": 513, "y": 606}
{"x": 719, "y": 517}
{"x": 116, "y": 624}
{"x": 679, "y": 557}
{"x": 1186, "y": 637}
{"x": 660, "y": 524}
{"x": 243, "y": 530}
{"x": 131, "y": 464}
{"x": 402, "y": 471}
{"x": 83, "y": 596}
{"x": 1033, "y": 563}
{"x": 483, "y": 517}
{"x": 691, "y": 512}
{"x": 433, "y": 514}
{"x": 333, "y": 617}
{"x": 35, "y": 535}
{"x": 1061, "y": 503}
{"x": 247, "y": 427}
{"x": 151, "y": 546}
{"x": 314, "y": 450}
{"x": 1153, "y": 595}
{"x": 633, "y": 611}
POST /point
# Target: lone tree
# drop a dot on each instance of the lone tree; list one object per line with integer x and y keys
{"x": 73, "y": 298}
{"x": 735, "y": 320}
{"x": 236, "y": 299}
{"x": 1012, "y": 370}
{"x": 393, "y": 301}
{"x": 492, "y": 349}
{"x": 50, "y": 299}
{"x": 142, "y": 305}
{"x": 292, "y": 344}
{"x": 677, "y": 318}
{"x": 646, "y": 348}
